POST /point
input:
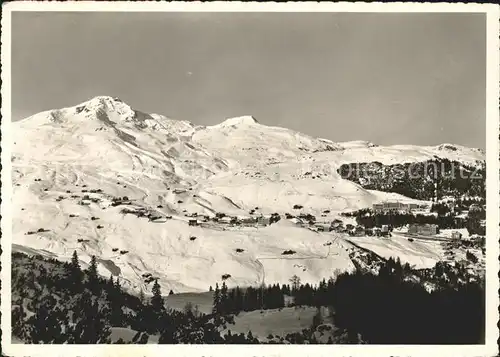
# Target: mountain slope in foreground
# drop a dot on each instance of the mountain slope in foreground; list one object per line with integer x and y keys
{"x": 107, "y": 180}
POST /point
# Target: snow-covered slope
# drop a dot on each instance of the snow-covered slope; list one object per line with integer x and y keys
{"x": 105, "y": 149}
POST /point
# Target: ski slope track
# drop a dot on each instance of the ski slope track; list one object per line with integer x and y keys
{"x": 168, "y": 168}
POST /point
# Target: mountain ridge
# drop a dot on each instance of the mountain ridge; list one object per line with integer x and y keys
{"x": 75, "y": 163}
{"x": 115, "y": 103}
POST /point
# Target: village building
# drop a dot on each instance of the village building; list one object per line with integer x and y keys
{"x": 193, "y": 222}
{"x": 263, "y": 220}
{"x": 247, "y": 220}
{"x": 339, "y": 228}
{"x": 456, "y": 235}
{"x": 423, "y": 229}
{"x": 322, "y": 227}
{"x": 225, "y": 220}
{"x": 297, "y": 221}
{"x": 335, "y": 225}
{"x": 382, "y": 231}
{"x": 357, "y": 231}
{"x": 396, "y": 206}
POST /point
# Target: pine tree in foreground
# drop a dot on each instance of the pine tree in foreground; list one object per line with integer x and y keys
{"x": 92, "y": 274}
{"x": 75, "y": 273}
{"x": 223, "y": 301}
{"x": 75, "y": 263}
{"x": 216, "y": 302}
{"x": 157, "y": 302}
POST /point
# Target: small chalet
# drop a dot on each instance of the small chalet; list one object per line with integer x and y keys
{"x": 322, "y": 227}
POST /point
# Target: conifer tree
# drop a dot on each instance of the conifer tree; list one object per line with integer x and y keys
{"x": 238, "y": 297}
{"x": 75, "y": 272}
{"x": 295, "y": 280}
{"x": 118, "y": 287}
{"x": 116, "y": 302}
{"x": 142, "y": 298}
{"x": 157, "y": 302}
{"x": 92, "y": 274}
{"x": 75, "y": 263}
{"x": 216, "y": 302}
{"x": 223, "y": 305}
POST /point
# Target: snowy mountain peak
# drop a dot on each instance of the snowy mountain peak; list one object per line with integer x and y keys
{"x": 457, "y": 148}
{"x": 102, "y": 99}
{"x": 237, "y": 121}
{"x": 357, "y": 144}
{"x": 448, "y": 147}
{"x": 105, "y": 104}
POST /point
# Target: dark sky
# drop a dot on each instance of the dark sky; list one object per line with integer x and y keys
{"x": 388, "y": 78}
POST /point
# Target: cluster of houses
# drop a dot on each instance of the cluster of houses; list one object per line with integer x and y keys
{"x": 336, "y": 225}
{"x": 355, "y": 230}
{"x": 231, "y": 220}
{"x": 359, "y": 230}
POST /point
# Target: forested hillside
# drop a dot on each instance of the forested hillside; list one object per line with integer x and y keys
{"x": 56, "y": 302}
{"x": 420, "y": 180}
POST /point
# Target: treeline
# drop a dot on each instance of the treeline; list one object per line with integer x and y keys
{"x": 58, "y": 303}
{"x": 55, "y": 302}
{"x": 420, "y": 180}
{"x": 444, "y": 220}
{"x": 459, "y": 205}
{"x": 233, "y": 301}
{"x": 370, "y": 219}
{"x": 391, "y": 307}
{"x": 387, "y": 309}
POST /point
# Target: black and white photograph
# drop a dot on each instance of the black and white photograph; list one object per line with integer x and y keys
{"x": 249, "y": 174}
